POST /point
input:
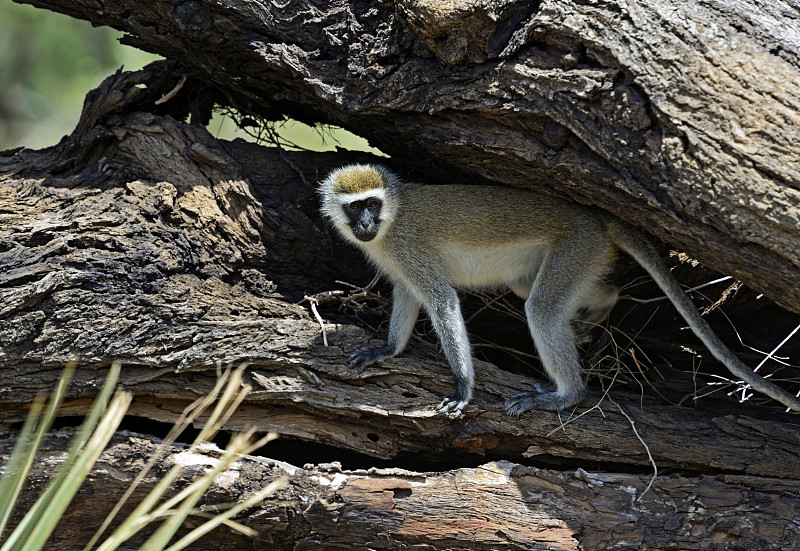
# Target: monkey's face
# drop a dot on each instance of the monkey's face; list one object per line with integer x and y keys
{"x": 364, "y": 217}
{"x": 361, "y": 201}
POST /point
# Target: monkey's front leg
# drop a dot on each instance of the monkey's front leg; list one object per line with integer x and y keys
{"x": 363, "y": 358}
{"x": 449, "y": 324}
{"x": 405, "y": 310}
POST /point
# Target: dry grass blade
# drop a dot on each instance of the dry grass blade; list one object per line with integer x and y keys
{"x": 179, "y": 507}
{"x": 77, "y": 472}
{"x": 19, "y": 464}
{"x": 188, "y": 416}
{"x": 225, "y": 398}
{"x": 206, "y": 527}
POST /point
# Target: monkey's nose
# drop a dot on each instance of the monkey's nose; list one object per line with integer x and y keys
{"x": 366, "y": 232}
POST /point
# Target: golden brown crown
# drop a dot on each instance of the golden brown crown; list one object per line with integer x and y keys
{"x": 357, "y": 178}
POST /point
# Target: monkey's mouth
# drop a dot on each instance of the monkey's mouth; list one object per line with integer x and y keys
{"x": 366, "y": 233}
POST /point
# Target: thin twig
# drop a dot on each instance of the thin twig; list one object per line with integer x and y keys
{"x": 632, "y": 352}
{"x": 488, "y": 303}
{"x": 172, "y": 93}
{"x": 768, "y": 356}
{"x": 313, "y": 302}
{"x": 507, "y": 349}
{"x": 351, "y": 301}
{"x": 563, "y": 424}
{"x": 646, "y": 447}
{"x": 664, "y": 297}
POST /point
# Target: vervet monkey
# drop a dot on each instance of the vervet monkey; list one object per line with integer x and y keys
{"x": 430, "y": 240}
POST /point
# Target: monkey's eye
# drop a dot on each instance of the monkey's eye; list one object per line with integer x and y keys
{"x": 373, "y": 203}
{"x": 355, "y": 205}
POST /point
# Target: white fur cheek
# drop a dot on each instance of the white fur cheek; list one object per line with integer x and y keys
{"x": 388, "y": 211}
{"x": 335, "y": 213}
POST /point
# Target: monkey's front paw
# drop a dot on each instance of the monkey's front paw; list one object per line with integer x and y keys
{"x": 540, "y": 399}
{"x": 363, "y": 358}
{"x": 452, "y": 404}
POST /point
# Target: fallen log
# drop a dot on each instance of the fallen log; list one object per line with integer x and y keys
{"x": 500, "y": 504}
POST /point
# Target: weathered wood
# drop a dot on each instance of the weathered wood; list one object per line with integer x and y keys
{"x": 500, "y": 504}
{"x": 677, "y": 116}
{"x": 173, "y": 252}
{"x": 145, "y": 240}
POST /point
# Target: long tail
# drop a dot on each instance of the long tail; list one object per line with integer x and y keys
{"x": 636, "y": 245}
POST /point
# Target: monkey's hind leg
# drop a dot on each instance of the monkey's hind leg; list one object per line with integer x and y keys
{"x": 594, "y": 311}
{"x": 566, "y": 281}
{"x": 556, "y": 343}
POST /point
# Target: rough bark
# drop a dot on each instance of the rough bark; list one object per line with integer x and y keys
{"x": 171, "y": 252}
{"x": 145, "y": 240}
{"x": 680, "y": 117}
{"x": 158, "y": 246}
{"x": 501, "y": 505}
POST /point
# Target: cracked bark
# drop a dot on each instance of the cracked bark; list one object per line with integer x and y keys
{"x": 145, "y": 240}
{"x": 681, "y": 119}
{"x": 499, "y": 504}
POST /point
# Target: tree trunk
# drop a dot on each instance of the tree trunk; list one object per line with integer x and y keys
{"x": 680, "y": 117}
{"x": 144, "y": 240}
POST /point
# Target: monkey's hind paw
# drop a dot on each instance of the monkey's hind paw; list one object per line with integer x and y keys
{"x": 540, "y": 399}
{"x": 452, "y": 404}
{"x": 363, "y": 358}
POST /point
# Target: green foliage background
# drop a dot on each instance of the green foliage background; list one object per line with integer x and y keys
{"x": 49, "y": 61}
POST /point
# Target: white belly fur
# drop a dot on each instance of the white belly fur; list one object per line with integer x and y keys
{"x": 501, "y": 266}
